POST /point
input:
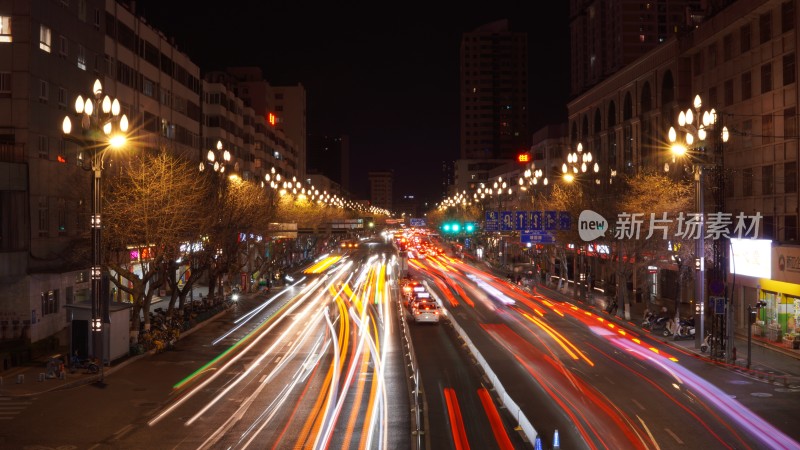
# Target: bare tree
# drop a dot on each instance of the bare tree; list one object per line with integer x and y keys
{"x": 240, "y": 208}
{"x": 153, "y": 206}
{"x": 660, "y": 198}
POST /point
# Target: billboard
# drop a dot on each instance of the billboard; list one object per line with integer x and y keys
{"x": 751, "y": 257}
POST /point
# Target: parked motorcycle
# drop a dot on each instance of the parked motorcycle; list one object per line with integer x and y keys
{"x": 706, "y": 345}
{"x": 683, "y": 329}
{"x": 654, "y": 322}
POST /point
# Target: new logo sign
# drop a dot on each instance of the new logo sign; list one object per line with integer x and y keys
{"x": 591, "y": 225}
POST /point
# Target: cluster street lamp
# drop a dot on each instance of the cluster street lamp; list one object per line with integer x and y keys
{"x": 218, "y": 163}
{"x": 689, "y": 141}
{"x": 101, "y": 127}
{"x": 219, "y": 160}
{"x": 579, "y": 163}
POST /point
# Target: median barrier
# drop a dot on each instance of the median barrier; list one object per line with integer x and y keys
{"x": 525, "y": 425}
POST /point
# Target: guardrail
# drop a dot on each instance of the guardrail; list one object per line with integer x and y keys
{"x": 416, "y": 400}
{"x": 522, "y": 420}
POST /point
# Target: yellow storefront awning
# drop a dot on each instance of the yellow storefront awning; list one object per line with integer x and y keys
{"x": 790, "y": 289}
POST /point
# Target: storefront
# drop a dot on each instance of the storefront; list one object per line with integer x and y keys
{"x": 776, "y": 282}
{"x": 782, "y": 292}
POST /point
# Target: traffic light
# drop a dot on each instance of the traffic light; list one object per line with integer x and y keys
{"x": 451, "y": 227}
{"x": 469, "y": 227}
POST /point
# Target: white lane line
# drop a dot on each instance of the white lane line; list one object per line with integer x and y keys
{"x": 278, "y": 360}
{"x": 638, "y": 404}
{"x": 674, "y": 436}
{"x": 263, "y": 377}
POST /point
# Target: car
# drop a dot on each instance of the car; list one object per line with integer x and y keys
{"x": 418, "y": 297}
{"x": 426, "y": 312}
{"x": 348, "y": 244}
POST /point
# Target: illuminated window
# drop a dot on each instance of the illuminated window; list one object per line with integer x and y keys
{"x": 81, "y": 57}
{"x": 45, "y": 38}
{"x": 5, "y": 29}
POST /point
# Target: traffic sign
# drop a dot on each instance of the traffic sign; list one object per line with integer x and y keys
{"x": 417, "y": 222}
{"x": 537, "y": 237}
{"x": 506, "y": 220}
{"x": 717, "y": 304}
{"x": 550, "y": 220}
{"x": 536, "y": 220}
{"x": 522, "y": 220}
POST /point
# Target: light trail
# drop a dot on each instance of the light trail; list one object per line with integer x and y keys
{"x": 560, "y": 339}
{"x": 460, "y": 441}
{"x": 743, "y": 417}
{"x": 235, "y": 358}
{"x": 332, "y": 392}
{"x": 241, "y": 321}
{"x": 498, "y": 429}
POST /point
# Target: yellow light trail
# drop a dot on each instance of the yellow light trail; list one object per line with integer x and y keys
{"x": 573, "y": 351}
{"x": 323, "y": 265}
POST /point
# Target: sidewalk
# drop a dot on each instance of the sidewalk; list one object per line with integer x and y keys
{"x": 31, "y": 379}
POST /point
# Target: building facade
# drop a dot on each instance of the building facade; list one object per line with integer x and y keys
{"x": 494, "y": 98}
{"x": 742, "y": 61}
{"x": 329, "y": 155}
{"x": 46, "y": 190}
{"x": 53, "y": 51}
{"x": 380, "y": 189}
{"x": 607, "y": 35}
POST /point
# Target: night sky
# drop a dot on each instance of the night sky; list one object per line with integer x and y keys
{"x": 384, "y": 73}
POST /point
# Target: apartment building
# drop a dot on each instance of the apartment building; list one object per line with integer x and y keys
{"x": 494, "y": 99}
{"x": 51, "y": 51}
{"x": 742, "y": 61}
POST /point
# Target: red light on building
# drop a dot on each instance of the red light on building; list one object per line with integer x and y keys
{"x": 62, "y": 159}
{"x": 523, "y": 158}
{"x": 272, "y": 119}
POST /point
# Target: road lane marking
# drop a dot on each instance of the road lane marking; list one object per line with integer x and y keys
{"x": 638, "y": 404}
{"x": 674, "y": 436}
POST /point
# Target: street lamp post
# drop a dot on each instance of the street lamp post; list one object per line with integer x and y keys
{"x": 219, "y": 160}
{"x": 579, "y": 163}
{"x": 102, "y": 127}
{"x": 694, "y": 125}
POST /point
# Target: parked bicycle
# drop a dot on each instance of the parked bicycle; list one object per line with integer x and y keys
{"x": 90, "y": 365}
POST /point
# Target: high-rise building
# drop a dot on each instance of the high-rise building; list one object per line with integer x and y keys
{"x": 607, "y": 35}
{"x": 282, "y": 107}
{"x": 494, "y": 92}
{"x": 380, "y": 189}
{"x": 330, "y": 156}
{"x": 494, "y": 100}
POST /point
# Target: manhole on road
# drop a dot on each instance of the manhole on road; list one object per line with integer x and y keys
{"x": 760, "y": 394}
{"x": 786, "y": 390}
